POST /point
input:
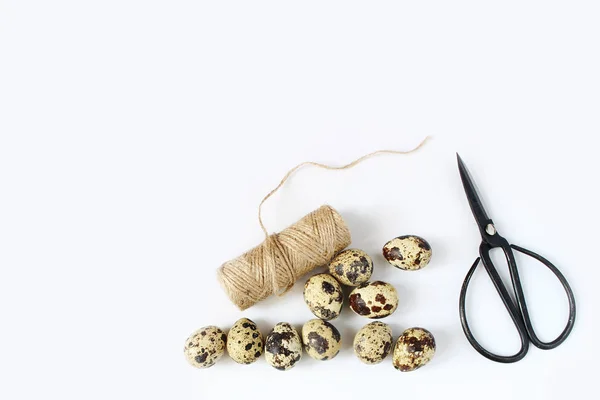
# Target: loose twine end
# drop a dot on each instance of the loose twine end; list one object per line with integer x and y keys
{"x": 329, "y": 167}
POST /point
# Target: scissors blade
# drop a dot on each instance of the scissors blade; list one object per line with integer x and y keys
{"x": 479, "y": 213}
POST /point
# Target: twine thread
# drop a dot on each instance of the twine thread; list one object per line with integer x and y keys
{"x": 276, "y": 264}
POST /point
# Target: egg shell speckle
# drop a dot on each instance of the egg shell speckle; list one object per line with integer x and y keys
{"x": 283, "y": 347}
{"x": 373, "y": 342}
{"x": 414, "y": 348}
{"x": 322, "y": 341}
{"x": 375, "y": 299}
{"x": 205, "y": 346}
{"x": 244, "y": 342}
{"x": 351, "y": 267}
{"x": 324, "y": 296}
{"x": 408, "y": 252}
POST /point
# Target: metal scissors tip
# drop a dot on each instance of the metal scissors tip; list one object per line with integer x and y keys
{"x": 475, "y": 203}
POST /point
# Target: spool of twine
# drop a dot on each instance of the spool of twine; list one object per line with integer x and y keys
{"x": 275, "y": 265}
{"x": 282, "y": 258}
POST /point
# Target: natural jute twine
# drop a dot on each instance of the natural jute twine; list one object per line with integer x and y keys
{"x": 274, "y": 266}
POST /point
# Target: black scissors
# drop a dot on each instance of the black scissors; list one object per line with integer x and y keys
{"x": 518, "y": 312}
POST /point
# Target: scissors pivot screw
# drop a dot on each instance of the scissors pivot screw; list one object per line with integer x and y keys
{"x": 490, "y": 229}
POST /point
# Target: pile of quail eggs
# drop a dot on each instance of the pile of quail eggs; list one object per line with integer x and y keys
{"x": 323, "y": 294}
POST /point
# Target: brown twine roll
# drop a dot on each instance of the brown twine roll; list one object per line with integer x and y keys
{"x": 282, "y": 258}
{"x": 273, "y": 266}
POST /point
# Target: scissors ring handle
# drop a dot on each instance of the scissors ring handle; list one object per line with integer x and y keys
{"x": 515, "y": 316}
{"x": 572, "y": 309}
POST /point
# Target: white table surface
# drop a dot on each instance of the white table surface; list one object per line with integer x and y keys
{"x": 137, "y": 139}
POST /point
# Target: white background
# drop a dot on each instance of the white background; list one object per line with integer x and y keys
{"x": 138, "y": 137}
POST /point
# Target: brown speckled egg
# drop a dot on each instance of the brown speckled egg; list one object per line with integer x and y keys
{"x": 244, "y": 342}
{"x": 322, "y": 341}
{"x": 414, "y": 348}
{"x": 283, "y": 347}
{"x": 205, "y": 346}
{"x": 351, "y": 267}
{"x": 323, "y": 295}
{"x": 373, "y": 342}
{"x": 374, "y": 299}
{"x": 409, "y": 252}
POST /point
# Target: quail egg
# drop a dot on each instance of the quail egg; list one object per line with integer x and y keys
{"x": 283, "y": 347}
{"x": 409, "y": 252}
{"x": 205, "y": 346}
{"x": 414, "y": 348}
{"x": 351, "y": 267}
{"x": 244, "y": 342}
{"x": 323, "y": 295}
{"x": 322, "y": 341}
{"x": 373, "y": 342}
{"x": 374, "y": 299}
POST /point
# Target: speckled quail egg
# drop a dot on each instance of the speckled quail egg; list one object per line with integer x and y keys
{"x": 409, "y": 252}
{"x": 283, "y": 347}
{"x": 373, "y": 342}
{"x": 322, "y": 341}
{"x": 205, "y": 346}
{"x": 374, "y": 299}
{"x": 351, "y": 267}
{"x": 244, "y": 342}
{"x": 324, "y": 296}
{"x": 414, "y": 348}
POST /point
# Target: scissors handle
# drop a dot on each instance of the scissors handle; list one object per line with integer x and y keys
{"x": 523, "y": 306}
{"x": 513, "y": 310}
{"x": 518, "y": 312}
